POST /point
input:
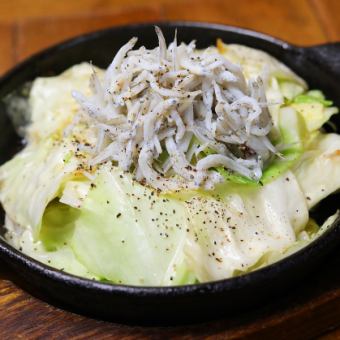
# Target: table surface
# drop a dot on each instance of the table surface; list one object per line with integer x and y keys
{"x": 28, "y": 26}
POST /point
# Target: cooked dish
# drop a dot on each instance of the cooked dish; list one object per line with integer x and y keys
{"x": 173, "y": 166}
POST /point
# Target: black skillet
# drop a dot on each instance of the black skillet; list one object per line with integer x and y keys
{"x": 318, "y": 65}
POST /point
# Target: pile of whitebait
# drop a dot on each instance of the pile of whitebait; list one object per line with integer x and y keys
{"x": 172, "y": 115}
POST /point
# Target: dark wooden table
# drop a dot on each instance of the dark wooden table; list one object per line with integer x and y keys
{"x": 312, "y": 310}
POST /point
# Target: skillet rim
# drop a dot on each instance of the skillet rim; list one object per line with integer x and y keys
{"x": 45, "y": 52}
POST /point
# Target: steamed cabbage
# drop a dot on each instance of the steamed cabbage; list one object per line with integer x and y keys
{"x": 99, "y": 223}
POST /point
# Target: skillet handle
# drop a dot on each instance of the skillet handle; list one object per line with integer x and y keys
{"x": 326, "y": 56}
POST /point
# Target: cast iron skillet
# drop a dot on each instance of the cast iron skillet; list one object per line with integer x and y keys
{"x": 319, "y": 66}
